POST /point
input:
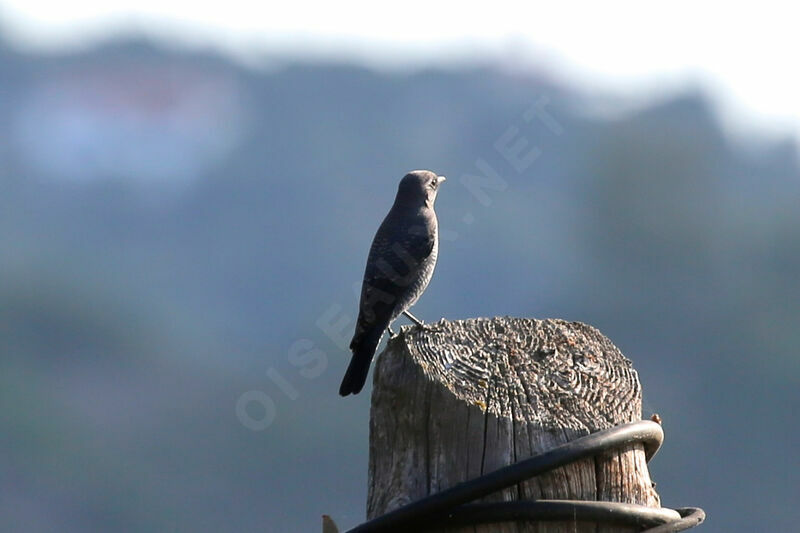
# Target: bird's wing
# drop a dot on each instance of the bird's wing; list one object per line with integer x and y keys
{"x": 380, "y": 288}
{"x": 419, "y": 240}
{"x": 395, "y": 257}
{"x": 396, "y": 254}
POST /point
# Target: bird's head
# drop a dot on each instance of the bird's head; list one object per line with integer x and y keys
{"x": 418, "y": 188}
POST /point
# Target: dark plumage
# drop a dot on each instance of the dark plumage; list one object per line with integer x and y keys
{"x": 399, "y": 267}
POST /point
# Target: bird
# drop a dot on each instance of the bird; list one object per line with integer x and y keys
{"x": 399, "y": 267}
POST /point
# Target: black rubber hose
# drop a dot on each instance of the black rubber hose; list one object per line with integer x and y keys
{"x": 625, "y": 514}
{"x": 449, "y": 504}
{"x": 690, "y": 517}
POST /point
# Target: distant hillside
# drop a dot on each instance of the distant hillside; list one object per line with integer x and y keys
{"x": 171, "y": 224}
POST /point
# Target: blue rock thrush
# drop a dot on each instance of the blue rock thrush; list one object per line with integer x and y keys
{"x": 399, "y": 267}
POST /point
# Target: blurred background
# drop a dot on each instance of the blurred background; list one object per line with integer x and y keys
{"x": 188, "y": 194}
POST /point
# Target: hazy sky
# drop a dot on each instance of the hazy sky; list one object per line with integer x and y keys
{"x": 746, "y": 55}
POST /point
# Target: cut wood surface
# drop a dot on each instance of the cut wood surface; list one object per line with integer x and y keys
{"x": 463, "y": 398}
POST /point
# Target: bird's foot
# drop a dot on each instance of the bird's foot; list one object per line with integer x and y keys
{"x": 430, "y": 327}
{"x": 391, "y": 333}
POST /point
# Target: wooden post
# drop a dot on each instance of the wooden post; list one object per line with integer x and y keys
{"x": 468, "y": 397}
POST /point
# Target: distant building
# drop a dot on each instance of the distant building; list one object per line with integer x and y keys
{"x": 149, "y": 122}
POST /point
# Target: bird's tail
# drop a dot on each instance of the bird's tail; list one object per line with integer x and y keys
{"x": 363, "y": 347}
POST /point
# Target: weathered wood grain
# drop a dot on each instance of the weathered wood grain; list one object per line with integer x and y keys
{"x": 467, "y": 397}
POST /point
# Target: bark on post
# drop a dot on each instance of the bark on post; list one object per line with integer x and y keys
{"x": 471, "y": 396}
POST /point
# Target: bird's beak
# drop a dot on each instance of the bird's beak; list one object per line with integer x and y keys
{"x": 440, "y": 180}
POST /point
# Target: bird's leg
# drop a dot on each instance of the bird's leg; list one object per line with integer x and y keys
{"x": 419, "y": 323}
{"x": 391, "y": 333}
{"x": 415, "y": 320}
